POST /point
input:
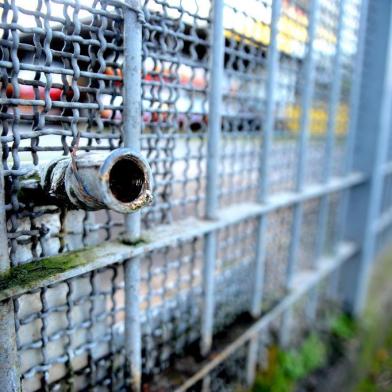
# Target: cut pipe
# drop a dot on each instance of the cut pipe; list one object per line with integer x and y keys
{"x": 120, "y": 181}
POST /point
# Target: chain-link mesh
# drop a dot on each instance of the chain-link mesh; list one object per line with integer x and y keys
{"x": 61, "y": 65}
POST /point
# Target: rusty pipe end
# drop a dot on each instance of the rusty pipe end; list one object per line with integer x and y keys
{"x": 120, "y": 181}
{"x": 126, "y": 181}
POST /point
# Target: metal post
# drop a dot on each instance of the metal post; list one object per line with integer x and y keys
{"x": 9, "y": 373}
{"x": 351, "y": 136}
{"x": 253, "y": 348}
{"x": 353, "y": 119}
{"x": 132, "y": 130}
{"x": 272, "y": 73}
{"x": 213, "y": 152}
{"x": 333, "y": 105}
{"x": 261, "y": 251}
{"x": 374, "y": 124}
{"x": 306, "y": 102}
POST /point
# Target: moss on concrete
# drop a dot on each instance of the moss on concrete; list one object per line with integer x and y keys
{"x": 26, "y": 275}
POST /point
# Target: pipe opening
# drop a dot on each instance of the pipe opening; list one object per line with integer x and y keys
{"x": 126, "y": 180}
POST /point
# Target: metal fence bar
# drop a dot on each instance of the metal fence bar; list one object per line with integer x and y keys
{"x": 251, "y": 361}
{"x": 132, "y": 131}
{"x": 213, "y": 154}
{"x": 261, "y": 240}
{"x": 272, "y": 70}
{"x": 165, "y": 33}
{"x": 9, "y": 364}
{"x": 368, "y": 252}
{"x": 306, "y": 102}
{"x": 383, "y": 222}
{"x": 303, "y": 140}
{"x": 354, "y": 102}
{"x": 371, "y": 149}
{"x": 353, "y": 118}
{"x": 333, "y": 105}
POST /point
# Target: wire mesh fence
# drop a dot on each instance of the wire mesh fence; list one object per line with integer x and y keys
{"x": 285, "y": 130}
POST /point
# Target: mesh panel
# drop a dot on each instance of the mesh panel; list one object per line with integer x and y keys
{"x": 61, "y": 65}
{"x": 279, "y": 228}
{"x": 171, "y": 303}
{"x": 60, "y": 91}
{"x": 230, "y": 374}
{"x": 67, "y": 333}
{"x": 307, "y": 252}
{"x": 175, "y": 82}
{"x": 233, "y": 273}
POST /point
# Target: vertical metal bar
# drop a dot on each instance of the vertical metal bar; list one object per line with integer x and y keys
{"x": 132, "y": 130}
{"x": 272, "y": 73}
{"x": 374, "y": 123}
{"x": 215, "y": 112}
{"x": 9, "y": 364}
{"x": 253, "y": 348}
{"x": 303, "y": 140}
{"x": 213, "y": 153}
{"x": 333, "y": 106}
{"x": 376, "y": 186}
{"x": 261, "y": 236}
{"x": 353, "y": 118}
{"x": 206, "y": 384}
{"x": 306, "y": 102}
{"x": 333, "y": 291}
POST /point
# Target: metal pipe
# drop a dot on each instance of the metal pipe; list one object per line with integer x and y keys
{"x": 121, "y": 181}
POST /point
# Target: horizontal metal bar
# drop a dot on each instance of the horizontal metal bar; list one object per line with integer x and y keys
{"x": 387, "y": 168}
{"x": 302, "y": 284}
{"x": 383, "y": 222}
{"x": 86, "y": 260}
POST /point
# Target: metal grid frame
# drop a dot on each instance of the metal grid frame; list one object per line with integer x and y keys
{"x": 257, "y": 178}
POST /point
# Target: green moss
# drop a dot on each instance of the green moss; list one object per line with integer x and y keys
{"x": 26, "y": 275}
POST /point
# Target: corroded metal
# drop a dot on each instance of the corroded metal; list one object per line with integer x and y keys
{"x": 120, "y": 181}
